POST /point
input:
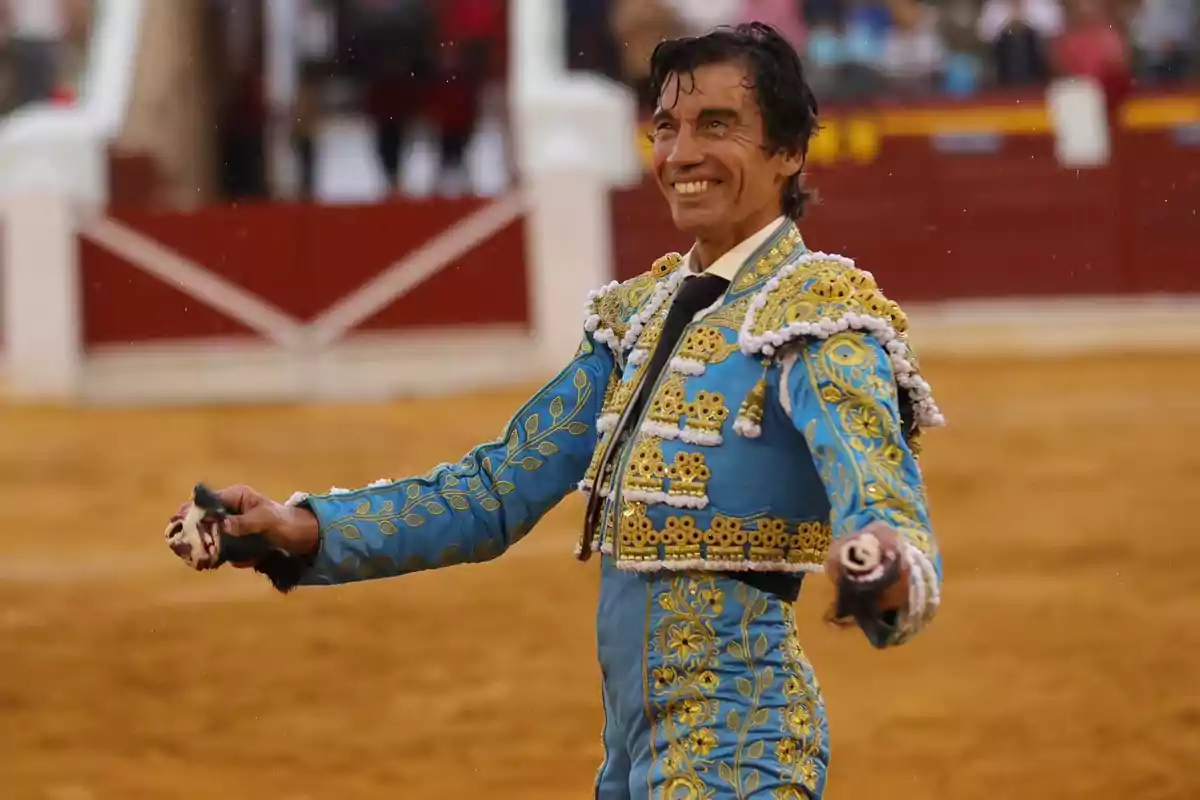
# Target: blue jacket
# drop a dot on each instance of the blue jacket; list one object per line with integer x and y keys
{"x": 788, "y": 415}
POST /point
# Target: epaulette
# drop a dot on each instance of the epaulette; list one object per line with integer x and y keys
{"x": 616, "y": 313}
{"x": 819, "y": 295}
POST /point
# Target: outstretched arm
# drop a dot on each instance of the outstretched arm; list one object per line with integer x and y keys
{"x": 841, "y": 394}
{"x": 476, "y": 509}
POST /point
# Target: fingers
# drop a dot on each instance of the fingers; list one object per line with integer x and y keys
{"x": 239, "y": 498}
{"x": 257, "y": 519}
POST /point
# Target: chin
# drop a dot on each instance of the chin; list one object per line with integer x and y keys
{"x": 695, "y": 220}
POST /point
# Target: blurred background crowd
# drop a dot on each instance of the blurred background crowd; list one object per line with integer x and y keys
{"x": 424, "y": 78}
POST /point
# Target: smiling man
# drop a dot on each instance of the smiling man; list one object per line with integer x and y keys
{"x": 738, "y": 417}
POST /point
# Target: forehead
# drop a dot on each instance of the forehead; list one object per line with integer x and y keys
{"x": 723, "y": 85}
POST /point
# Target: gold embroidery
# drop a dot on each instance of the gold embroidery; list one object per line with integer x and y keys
{"x": 686, "y": 688}
{"x": 636, "y": 528}
{"x": 617, "y": 305}
{"x": 706, "y": 344}
{"x": 664, "y": 266}
{"x": 685, "y": 685}
{"x": 866, "y": 430}
{"x": 668, "y": 406}
{"x": 707, "y": 413}
{"x": 769, "y": 262}
{"x": 801, "y": 752}
{"x": 750, "y": 414}
{"x": 646, "y": 470}
{"x": 824, "y": 288}
{"x": 759, "y": 540}
{"x": 689, "y": 475}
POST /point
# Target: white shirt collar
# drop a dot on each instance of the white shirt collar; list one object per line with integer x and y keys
{"x": 727, "y": 265}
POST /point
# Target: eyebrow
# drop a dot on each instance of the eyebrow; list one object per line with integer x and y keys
{"x": 663, "y": 115}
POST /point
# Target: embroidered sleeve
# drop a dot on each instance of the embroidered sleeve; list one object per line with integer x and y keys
{"x": 841, "y": 392}
{"x": 476, "y": 509}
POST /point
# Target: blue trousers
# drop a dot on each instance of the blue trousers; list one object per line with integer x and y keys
{"x": 707, "y": 692}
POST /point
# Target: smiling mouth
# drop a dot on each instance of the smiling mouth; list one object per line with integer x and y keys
{"x": 693, "y": 188}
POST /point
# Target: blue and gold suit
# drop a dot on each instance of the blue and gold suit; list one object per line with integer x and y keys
{"x": 787, "y": 416}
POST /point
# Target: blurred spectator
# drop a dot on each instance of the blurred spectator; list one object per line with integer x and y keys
{"x": 1165, "y": 37}
{"x": 701, "y": 16}
{"x": 590, "y": 43}
{"x": 913, "y": 52}
{"x": 786, "y": 16}
{"x": 315, "y": 55}
{"x": 1091, "y": 47}
{"x": 398, "y": 63}
{"x": 865, "y": 28}
{"x": 470, "y": 33}
{"x": 638, "y": 26}
{"x": 36, "y": 31}
{"x": 1017, "y": 31}
{"x": 241, "y": 113}
{"x": 963, "y": 69}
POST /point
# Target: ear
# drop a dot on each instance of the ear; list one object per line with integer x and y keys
{"x": 790, "y": 163}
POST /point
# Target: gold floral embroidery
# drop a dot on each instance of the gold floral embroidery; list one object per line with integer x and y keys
{"x": 617, "y": 305}
{"x": 668, "y": 405}
{"x": 751, "y": 275}
{"x": 801, "y": 752}
{"x": 688, "y": 475}
{"x": 758, "y": 540}
{"x": 697, "y": 734}
{"x": 480, "y": 477}
{"x": 707, "y": 344}
{"x": 824, "y": 287}
{"x": 752, "y": 686}
{"x": 839, "y": 372}
{"x": 685, "y": 685}
{"x": 707, "y": 412}
{"x": 646, "y": 471}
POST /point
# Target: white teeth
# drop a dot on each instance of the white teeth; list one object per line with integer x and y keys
{"x": 691, "y": 187}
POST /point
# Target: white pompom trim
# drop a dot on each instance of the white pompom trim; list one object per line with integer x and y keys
{"x": 662, "y": 292}
{"x": 925, "y": 410}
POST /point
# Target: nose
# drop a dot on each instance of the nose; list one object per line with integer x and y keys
{"x": 685, "y": 150}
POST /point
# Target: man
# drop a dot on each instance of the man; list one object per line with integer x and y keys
{"x": 729, "y": 414}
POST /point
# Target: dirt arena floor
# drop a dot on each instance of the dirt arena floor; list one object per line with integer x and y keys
{"x": 1063, "y": 664}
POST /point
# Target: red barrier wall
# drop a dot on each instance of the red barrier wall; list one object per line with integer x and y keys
{"x": 302, "y": 259}
{"x": 1002, "y": 220}
{"x": 932, "y": 218}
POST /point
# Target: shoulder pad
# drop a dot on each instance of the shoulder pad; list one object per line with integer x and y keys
{"x": 819, "y": 295}
{"x": 616, "y": 313}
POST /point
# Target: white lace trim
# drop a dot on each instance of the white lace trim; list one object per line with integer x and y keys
{"x": 654, "y": 565}
{"x": 299, "y": 497}
{"x": 925, "y": 410}
{"x": 686, "y": 366}
{"x": 662, "y": 292}
{"x": 662, "y": 498}
{"x": 924, "y": 590}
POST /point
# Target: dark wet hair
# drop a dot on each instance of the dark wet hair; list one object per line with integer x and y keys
{"x": 785, "y": 100}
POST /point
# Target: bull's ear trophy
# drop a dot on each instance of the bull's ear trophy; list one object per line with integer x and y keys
{"x": 868, "y": 570}
{"x": 199, "y": 540}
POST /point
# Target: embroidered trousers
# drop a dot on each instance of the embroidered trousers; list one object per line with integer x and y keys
{"x": 707, "y": 692}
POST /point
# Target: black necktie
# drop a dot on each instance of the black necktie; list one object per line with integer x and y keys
{"x": 697, "y": 293}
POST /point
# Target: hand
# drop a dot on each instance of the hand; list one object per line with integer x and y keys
{"x": 895, "y": 597}
{"x": 289, "y": 528}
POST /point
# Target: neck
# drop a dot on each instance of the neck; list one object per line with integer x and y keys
{"x": 711, "y": 245}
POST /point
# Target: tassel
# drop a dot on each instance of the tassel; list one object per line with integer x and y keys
{"x": 750, "y": 415}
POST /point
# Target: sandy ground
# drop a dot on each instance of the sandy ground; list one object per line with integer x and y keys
{"x": 1063, "y": 664}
